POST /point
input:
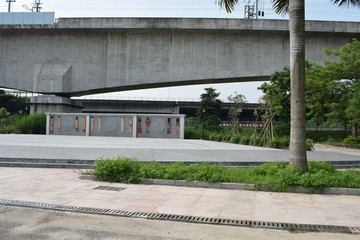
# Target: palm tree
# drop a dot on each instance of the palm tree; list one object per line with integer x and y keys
{"x": 296, "y": 9}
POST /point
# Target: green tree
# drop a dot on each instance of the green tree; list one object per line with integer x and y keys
{"x": 237, "y": 101}
{"x": 12, "y": 103}
{"x": 338, "y": 102}
{"x": 3, "y": 114}
{"x": 332, "y": 88}
{"x": 353, "y": 109}
{"x": 318, "y": 93}
{"x": 345, "y": 73}
{"x": 209, "y": 108}
{"x": 296, "y": 9}
{"x": 277, "y": 91}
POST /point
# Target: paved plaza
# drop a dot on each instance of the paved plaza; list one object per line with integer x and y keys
{"x": 145, "y": 149}
{"x": 63, "y": 186}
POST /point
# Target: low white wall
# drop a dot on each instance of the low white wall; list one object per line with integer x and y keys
{"x": 117, "y": 125}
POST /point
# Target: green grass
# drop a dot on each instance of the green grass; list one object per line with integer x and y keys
{"x": 277, "y": 176}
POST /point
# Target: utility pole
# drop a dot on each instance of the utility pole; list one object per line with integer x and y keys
{"x": 36, "y": 5}
{"x": 9, "y": 6}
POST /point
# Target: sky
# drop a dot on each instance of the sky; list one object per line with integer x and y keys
{"x": 315, "y": 10}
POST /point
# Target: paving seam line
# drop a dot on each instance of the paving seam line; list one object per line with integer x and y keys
{"x": 239, "y": 186}
{"x": 185, "y": 218}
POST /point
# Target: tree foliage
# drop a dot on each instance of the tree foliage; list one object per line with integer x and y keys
{"x": 12, "y": 103}
{"x": 353, "y": 109}
{"x": 296, "y": 8}
{"x": 237, "y": 101}
{"x": 333, "y": 89}
{"x": 209, "y": 108}
{"x": 277, "y": 94}
{"x": 3, "y": 114}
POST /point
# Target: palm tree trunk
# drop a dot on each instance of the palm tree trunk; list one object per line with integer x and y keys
{"x": 297, "y": 75}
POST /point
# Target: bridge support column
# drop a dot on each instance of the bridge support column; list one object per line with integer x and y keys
{"x": 52, "y": 103}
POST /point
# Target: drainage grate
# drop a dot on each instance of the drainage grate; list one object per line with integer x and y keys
{"x": 183, "y": 218}
{"x": 109, "y": 188}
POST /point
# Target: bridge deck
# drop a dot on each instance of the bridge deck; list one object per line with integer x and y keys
{"x": 189, "y": 23}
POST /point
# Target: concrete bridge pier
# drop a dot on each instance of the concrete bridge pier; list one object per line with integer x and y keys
{"x": 53, "y": 103}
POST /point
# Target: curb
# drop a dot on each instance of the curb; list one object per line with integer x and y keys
{"x": 239, "y": 186}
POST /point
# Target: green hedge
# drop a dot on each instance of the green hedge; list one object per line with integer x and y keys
{"x": 31, "y": 124}
{"x": 26, "y": 124}
{"x": 351, "y": 141}
{"x": 326, "y": 135}
{"x": 278, "y": 175}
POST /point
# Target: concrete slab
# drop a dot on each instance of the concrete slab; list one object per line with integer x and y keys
{"x": 146, "y": 149}
{"x": 63, "y": 186}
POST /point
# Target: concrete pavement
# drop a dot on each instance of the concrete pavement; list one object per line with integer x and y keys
{"x": 63, "y": 186}
{"x": 146, "y": 149}
{"x": 35, "y": 224}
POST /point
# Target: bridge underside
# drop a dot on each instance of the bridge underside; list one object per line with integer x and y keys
{"x": 163, "y": 84}
{"x": 74, "y": 58}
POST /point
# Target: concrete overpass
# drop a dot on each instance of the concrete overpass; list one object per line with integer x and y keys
{"x": 81, "y": 56}
{"x": 160, "y": 107}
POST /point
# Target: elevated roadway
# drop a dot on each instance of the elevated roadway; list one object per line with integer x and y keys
{"x": 78, "y": 56}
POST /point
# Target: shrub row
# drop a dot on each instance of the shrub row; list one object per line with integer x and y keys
{"x": 279, "y": 142}
{"x": 278, "y": 176}
{"x": 351, "y": 141}
{"x": 326, "y": 135}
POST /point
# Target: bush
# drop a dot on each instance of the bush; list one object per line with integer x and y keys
{"x": 9, "y": 129}
{"x": 325, "y": 135}
{"x": 315, "y": 167}
{"x": 245, "y": 140}
{"x": 283, "y": 130}
{"x": 281, "y": 143}
{"x": 309, "y": 144}
{"x": 122, "y": 169}
{"x": 204, "y": 172}
{"x": 217, "y": 137}
{"x": 192, "y": 133}
{"x": 235, "y": 139}
{"x": 351, "y": 141}
{"x": 197, "y": 133}
{"x": 276, "y": 175}
{"x": 28, "y": 124}
{"x": 212, "y": 137}
{"x": 152, "y": 170}
{"x": 256, "y": 141}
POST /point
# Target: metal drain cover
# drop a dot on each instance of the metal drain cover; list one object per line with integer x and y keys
{"x": 184, "y": 218}
{"x": 106, "y": 188}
